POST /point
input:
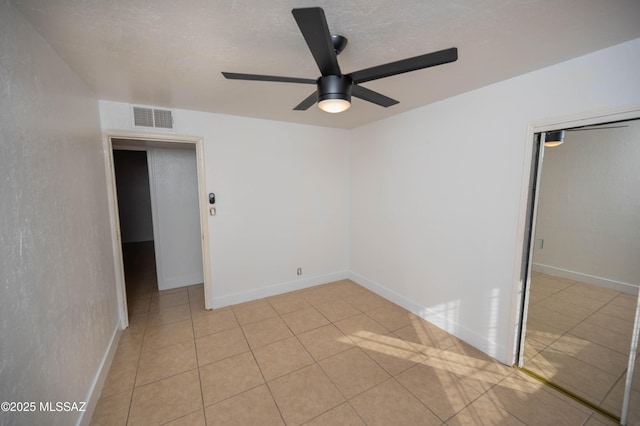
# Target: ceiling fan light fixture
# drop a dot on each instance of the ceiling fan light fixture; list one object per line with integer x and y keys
{"x": 334, "y": 105}
{"x": 334, "y": 93}
{"x": 554, "y": 138}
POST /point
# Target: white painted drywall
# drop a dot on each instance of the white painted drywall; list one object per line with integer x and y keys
{"x": 134, "y": 199}
{"x": 589, "y": 207}
{"x": 58, "y": 311}
{"x": 281, "y": 198}
{"x": 435, "y": 192}
{"x": 176, "y": 221}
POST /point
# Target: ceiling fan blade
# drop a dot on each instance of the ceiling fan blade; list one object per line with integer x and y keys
{"x": 306, "y": 104}
{"x": 371, "y": 96}
{"x": 315, "y": 30}
{"x": 406, "y": 65}
{"x": 258, "y": 77}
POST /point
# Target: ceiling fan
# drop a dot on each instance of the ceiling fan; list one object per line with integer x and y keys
{"x": 334, "y": 89}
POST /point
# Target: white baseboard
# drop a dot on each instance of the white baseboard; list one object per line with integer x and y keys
{"x": 476, "y": 340}
{"x": 274, "y": 290}
{"x": 98, "y": 382}
{"x": 586, "y": 278}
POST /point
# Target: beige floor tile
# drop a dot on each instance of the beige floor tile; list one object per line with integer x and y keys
{"x": 161, "y": 301}
{"x": 542, "y": 333}
{"x": 342, "y": 415}
{"x": 128, "y": 349}
{"x": 392, "y": 353}
{"x": 251, "y": 312}
{"x": 353, "y": 372}
{"x": 557, "y": 320}
{"x": 135, "y": 332}
{"x": 532, "y": 348}
{"x": 613, "y": 323}
{"x": 213, "y": 321}
{"x": 484, "y": 412}
{"x": 346, "y": 288}
{"x": 441, "y": 391}
{"x": 367, "y": 301}
{"x": 628, "y": 301}
{"x": 193, "y": 419}
{"x": 598, "y": 420}
{"x": 361, "y": 327}
{"x": 425, "y": 337}
{"x": 122, "y": 374}
{"x": 214, "y": 347}
{"x": 166, "y": 362}
{"x": 318, "y": 295}
{"x": 304, "y": 394}
{"x": 433, "y": 369}
{"x": 196, "y": 293}
{"x": 166, "y": 335}
{"x": 304, "y": 320}
{"x": 391, "y": 404}
{"x": 325, "y": 341}
{"x": 254, "y": 407}
{"x": 169, "y": 315}
{"x": 392, "y": 316}
{"x": 591, "y": 353}
{"x": 614, "y": 341}
{"x": 283, "y": 357}
{"x": 266, "y": 331}
{"x": 288, "y": 302}
{"x": 137, "y": 306}
{"x": 550, "y": 284}
{"x": 176, "y": 290}
{"x": 592, "y": 292}
{"x": 112, "y": 410}
{"x": 337, "y": 310}
{"x": 575, "y": 298}
{"x": 469, "y": 364}
{"x": 229, "y": 377}
{"x": 614, "y": 400}
{"x": 530, "y": 402}
{"x": 574, "y": 310}
{"x": 166, "y": 399}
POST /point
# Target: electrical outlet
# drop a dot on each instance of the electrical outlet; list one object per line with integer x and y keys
{"x": 299, "y": 271}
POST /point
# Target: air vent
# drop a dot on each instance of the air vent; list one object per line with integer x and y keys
{"x": 150, "y": 117}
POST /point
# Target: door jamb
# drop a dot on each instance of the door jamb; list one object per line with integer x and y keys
{"x": 108, "y": 136}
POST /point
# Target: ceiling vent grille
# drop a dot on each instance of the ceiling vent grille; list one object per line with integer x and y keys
{"x": 151, "y": 117}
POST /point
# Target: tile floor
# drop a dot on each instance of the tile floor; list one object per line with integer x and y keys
{"x": 335, "y": 354}
{"x": 579, "y": 337}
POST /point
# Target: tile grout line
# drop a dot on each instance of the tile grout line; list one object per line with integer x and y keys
{"x": 195, "y": 348}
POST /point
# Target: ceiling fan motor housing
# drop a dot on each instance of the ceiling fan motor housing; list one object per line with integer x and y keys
{"x": 334, "y": 87}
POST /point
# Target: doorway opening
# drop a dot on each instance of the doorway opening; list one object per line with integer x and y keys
{"x": 172, "y": 252}
{"x": 136, "y": 225}
{"x": 579, "y": 319}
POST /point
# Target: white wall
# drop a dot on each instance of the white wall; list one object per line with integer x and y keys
{"x": 176, "y": 220}
{"x": 589, "y": 208}
{"x": 134, "y": 200}
{"x": 58, "y": 310}
{"x": 281, "y": 196}
{"x": 435, "y": 192}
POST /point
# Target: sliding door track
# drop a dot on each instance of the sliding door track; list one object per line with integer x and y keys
{"x": 570, "y": 394}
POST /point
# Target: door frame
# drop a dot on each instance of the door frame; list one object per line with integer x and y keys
{"x": 158, "y": 139}
{"x": 524, "y": 235}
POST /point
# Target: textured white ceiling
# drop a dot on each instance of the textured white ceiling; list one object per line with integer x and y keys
{"x": 171, "y": 53}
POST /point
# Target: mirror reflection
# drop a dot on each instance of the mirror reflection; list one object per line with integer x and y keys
{"x": 586, "y": 265}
